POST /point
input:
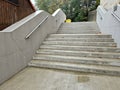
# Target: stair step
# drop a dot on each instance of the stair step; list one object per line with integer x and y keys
{"x": 78, "y": 29}
{"x": 78, "y": 60}
{"x": 106, "y": 70}
{"x": 78, "y": 24}
{"x": 75, "y": 29}
{"x": 81, "y": 48}
{"x": 80, "y": 32}
{"x": 79, "y": 36}
{"x": 82, "y": 39}
{"x": 79, "y": 53}
{"x": 75, "y": 43}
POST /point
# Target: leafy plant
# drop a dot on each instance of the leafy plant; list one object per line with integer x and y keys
{"x": 76, "y": 10}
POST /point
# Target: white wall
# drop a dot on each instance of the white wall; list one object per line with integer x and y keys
{"x": 15, "y": 50}
{"x": 108, "y": 24}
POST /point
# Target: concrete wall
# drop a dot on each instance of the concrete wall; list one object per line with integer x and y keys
{"x": 15, "y": 50}
{"x": 108, "y": 23}
{"x": 108, "y": 4}
{"x": 60, "y": 17}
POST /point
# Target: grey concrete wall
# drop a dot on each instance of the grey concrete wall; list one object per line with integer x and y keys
{"x": 60, "y": 17}
{"x": 15, "y": 50}
{"x": 108, "y": 24}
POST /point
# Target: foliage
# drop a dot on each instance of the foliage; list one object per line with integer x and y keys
{"x": 49, "y": 5}
{"x": 76, "y": 10}
{"x": 97, "y": 2}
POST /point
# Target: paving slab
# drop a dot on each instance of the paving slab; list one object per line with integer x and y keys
{"x": 47, "y": 79}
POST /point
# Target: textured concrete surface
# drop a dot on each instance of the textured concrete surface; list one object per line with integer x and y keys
{"x": 44, "y": 79}
{"x": 74, "y": 43}
{"x": 79, "y": 53}
{"x": 81, "y": 48}
{"x": 81, "y": 39}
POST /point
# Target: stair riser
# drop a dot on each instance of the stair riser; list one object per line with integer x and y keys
{"x": 79, "y": 24}
{"x": 80, "y": 36}
{"x": 77, "y": 27}
{"x": 79, "y": 54}
{"x": 81, "y": 49}
{"x": 78, "y": 32}
{"x": 80, "y": 40}
{"x": 78, "y": 61}
{"x": 80, "y": 44}
{"x": 85, "y": 70}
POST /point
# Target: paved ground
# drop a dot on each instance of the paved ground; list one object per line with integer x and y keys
{"x": 44, "y": 79}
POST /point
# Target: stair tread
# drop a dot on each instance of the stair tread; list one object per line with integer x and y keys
{"x": 108, "y": 68}
{"x": 80, "y": 39}
{"x": 70, "y": 51}
{"x": 108, "y": 44}
{"x": 80, "y": 53}
{"x": 98, "y": 35}
{"x": 78, "y": 34}
{"x": 82, "y": 48}
{"x": 77, "y": 30}
{"x": 76, "y": 57}
{"x": 79, "y": 42}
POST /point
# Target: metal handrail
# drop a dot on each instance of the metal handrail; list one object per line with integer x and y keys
{"x": 29, "y": 34}
{"x": 118, "y": 18}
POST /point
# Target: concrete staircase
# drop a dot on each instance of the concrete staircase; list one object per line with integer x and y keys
{"x": 79, "y": 47}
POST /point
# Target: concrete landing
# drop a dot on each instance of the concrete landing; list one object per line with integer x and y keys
{"x": 47, "y": 79}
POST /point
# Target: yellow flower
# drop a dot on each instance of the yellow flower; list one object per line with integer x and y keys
{"x": 68, "y": 21}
